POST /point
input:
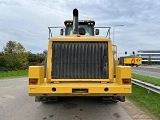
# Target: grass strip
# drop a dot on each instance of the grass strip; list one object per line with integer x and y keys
{"x": 149, "y": 79}
{"x": 11, "y": 74}
{"x": 146, "y": 99}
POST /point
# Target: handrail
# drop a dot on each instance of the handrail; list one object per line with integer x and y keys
{"x": 50, "y": 31}
{"x": 108, "y": 32}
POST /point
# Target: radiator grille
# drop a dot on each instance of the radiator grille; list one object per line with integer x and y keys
{"x": 76, "y": 60}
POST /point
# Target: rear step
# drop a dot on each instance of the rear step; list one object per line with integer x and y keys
{"x": 81, "y": 90}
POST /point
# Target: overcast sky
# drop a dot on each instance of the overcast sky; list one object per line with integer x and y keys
{"x": 27, "y": 21}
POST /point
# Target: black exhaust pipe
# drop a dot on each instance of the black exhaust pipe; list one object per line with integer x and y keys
{"x": 75, "y": 21}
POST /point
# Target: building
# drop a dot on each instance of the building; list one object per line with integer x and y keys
{"x": 149, "y": 55}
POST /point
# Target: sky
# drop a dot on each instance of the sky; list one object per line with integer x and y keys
{"x": 27, "y": 21}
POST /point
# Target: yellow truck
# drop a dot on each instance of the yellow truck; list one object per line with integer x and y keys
{"x": 79, "y": 63}
{"x": 131, "y": 61}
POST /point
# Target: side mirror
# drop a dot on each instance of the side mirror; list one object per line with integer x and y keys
{"x": 61, "y": 32}
{"x": 97, "y": 32}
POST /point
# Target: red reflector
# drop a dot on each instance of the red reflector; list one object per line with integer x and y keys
{"x": 126, "y": 81}
{"x": 33, "y": 81}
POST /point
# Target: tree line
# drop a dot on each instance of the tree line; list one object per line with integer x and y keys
{"x": 14, "y": 56}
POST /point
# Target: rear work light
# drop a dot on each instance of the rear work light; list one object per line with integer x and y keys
{"x": 33, "y": 81}
{"x": 126, "y": 81}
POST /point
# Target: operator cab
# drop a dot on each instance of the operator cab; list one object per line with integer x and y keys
{"x": 85, "y": 27}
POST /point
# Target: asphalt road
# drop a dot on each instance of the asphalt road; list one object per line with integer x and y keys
{"x": 147, "y": 71}
{"x": 15, "y": 104}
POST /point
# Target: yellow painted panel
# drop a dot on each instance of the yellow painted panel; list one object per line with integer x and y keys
{"x": 111, "y": 64}
{"x": 49, "y": 61}
{"x": 74, "y": 38}
{"x": 66, "y": 89}
{"x": 37, "y": 72}
{"x": 122, "y": 72}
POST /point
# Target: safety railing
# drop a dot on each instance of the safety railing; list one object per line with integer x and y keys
{"x": 148, "y": 86}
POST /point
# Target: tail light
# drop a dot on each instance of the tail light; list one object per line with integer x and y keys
{"x": 33, "y": 81}
{"x": 126, "y": 81}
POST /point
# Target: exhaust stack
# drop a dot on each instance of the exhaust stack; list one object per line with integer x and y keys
{"x": 75, "y": 21}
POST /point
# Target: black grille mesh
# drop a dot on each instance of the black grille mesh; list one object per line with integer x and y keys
{"x": 75, "y": 60}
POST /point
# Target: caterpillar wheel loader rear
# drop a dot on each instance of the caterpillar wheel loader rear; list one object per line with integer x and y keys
{"x": 80, "y": 63}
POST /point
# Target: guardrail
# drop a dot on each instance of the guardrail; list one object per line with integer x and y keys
{"x": 147, "y": 85}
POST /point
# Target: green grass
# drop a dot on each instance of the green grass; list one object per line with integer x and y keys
{"x": 11, "y": 74}
{"x": 146, "y": 99}
{"x": 149, "y": 79}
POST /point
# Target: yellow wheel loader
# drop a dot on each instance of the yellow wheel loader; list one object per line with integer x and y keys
{"x": 81, "y": 63}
